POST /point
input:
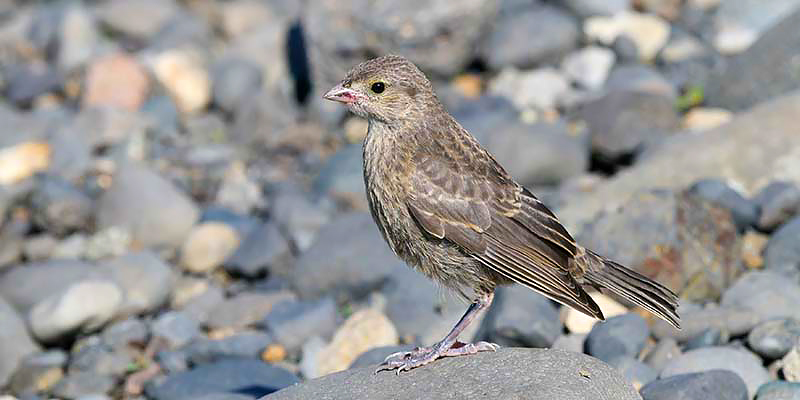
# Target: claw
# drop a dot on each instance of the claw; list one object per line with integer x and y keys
{"x": 408, "y": 360}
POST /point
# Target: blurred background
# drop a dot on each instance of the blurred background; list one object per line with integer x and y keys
{"x": 183, "y": 215}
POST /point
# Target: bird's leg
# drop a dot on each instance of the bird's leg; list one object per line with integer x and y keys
{"x": 447, "y": 347}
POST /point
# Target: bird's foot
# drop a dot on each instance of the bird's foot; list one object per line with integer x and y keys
{"x": 407, "y": 360}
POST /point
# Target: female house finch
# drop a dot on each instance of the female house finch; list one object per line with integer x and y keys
{"x": 448, "y": 208}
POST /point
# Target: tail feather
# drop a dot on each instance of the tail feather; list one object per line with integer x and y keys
{"x": 632, "y": 286}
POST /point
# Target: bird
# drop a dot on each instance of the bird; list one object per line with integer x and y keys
{"x": 447, "y": 208}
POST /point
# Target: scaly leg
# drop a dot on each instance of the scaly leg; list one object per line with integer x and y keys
{"x": 447, "y": 347}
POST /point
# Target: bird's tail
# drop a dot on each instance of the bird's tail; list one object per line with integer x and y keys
{"x": 632, "y": 286}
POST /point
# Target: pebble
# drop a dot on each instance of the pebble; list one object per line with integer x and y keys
{"x": 224, "y": 377}
{"x": 245, "y": 309}
{"x": 745, "y": 213}
{"x": 779, "y": 390}
{"x": 155, "y": 211}
{"x": 791, "y": 364}
{"x": 589, "y": 66}
{"x": 636, "y": 372}
{"x": 264, "y": 250}
{"x": 73, "y": 309}
{"x": 139, "y": 19}
{"x": 587, "y": 8}
{"x": 710, "y": 337}
{"x": 298, "y": 216}
{"x": 247, "y": 344}
{"x": 185, "y": 78}
{"x": 294, "y": 322}
{"x": 26, "y": 285}
{"x": 78, "y": 38}
{"x": 778, "y": 202}
{"x": 21, "y": 161}
{"x": 39, "y": 372}
{"x": 363, "y": 330}
{"x": 538, "y": 89}
{"x": 782, "y": 255}
{"x": 116, "y": 81}
{"x": 234, "y": 80}
{"x": 753, "y": 245}
{"x": 521, "y": 317}
{"x": 720, "y": 383}
{"x": 207, "y": 246}
{"x": 145, "y": 279}
{"x": 649, "y": 32}
{"x": 742, "y": 362}
{"x": 78, "y": 384}
{"x": 767, "y": 294}
{"x": 60, "y": 206}
{"x": 578, "y": 322}
{"x": 623, "y": 335}
{"x": 176, "y": 328}
{"x": 573, "y": 342}
{"x": 736, "y": 321}
{"x": 15, "y": 341}
{"x": 121, "y": 334}
{"x": 665, "y": 350}
{"x": 701, "y": 119}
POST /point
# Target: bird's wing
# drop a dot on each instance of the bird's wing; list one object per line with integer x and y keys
{"x": 467, "y": 198}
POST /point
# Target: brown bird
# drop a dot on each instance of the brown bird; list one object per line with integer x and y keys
{"x": 448, "y": 208}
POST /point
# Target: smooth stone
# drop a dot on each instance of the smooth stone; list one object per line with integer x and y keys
{"x": 742, "y": 362}
{"x": 232, "y": 376}
{"x": 778, "y": 202}
{"x": 208, "y": 245}
{"x": 774, "y": 338}
{"x": 15, "y": 341}
{"x": 176, "y": 328}
{"x": 39, "y": 372}
{"x": 294, "y": 322}
{"x": 623, "y": 335}
{"x": 636, "y": 372}
{"x": 733, "y": 320}
{"x": 665, "y": 350}
{"x": 745, "y": 213}
{"x": 525, "y": 374}
{"x": 720, "y": 384}
{"x": 78, "y": 384}
{"x": 767, "y": 294}
{"x": 782, "y": 255}
{"x": 521, "y": 317}
{"x": 145, "y": 279}
{"x": 264, "y": 250}
{"x": 131, "y": 331}
{"x": 247, "y": 344}
{"x": 245, "y": 309}
{"x": 779, "y": 390}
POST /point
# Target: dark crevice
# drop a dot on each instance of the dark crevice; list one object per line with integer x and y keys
{"x": 299, "y": 65}
{"x": 608, "y": 166}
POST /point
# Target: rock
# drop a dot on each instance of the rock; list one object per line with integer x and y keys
{"x": 623, "y": 335}
{"x": 774, "y": 338}
{"x": 21, "y": 161}
{"x": 27, "y": 82}
{"x": 742, "y": 362}
{"x": 701, "y": 119}
{"x": 39, "y": 372}
{"x": 709, "y": 337}
{"x": 718, "y": 192}
{"x": 731, "y": 319}
{"x": 363, "y": 330}
{"x": 234, "y": 80}
{"x": 649, "y": 32}
{"x": 589, "y": 66}
{"x": 578, "y": 322}
{"x": 79, "y": 384}
{"x": 59, "y": 206}
{"x": 176, "y": 328}
{"x": 155, "y": 211}
{"x": 753, "y": 244}
{"x": 570, "y": 342}
{"x": 265, "y": 120}
{"x": 342, "y": 177}
{"x": 671, "y": 237}
{"x": 639, "y": 78}
{"x": 185, "y": 78}
{"x": 588, "y": 8}
{"x": 124, "y": 333}
{"x": 74, "y": 309}
{"x": 208, "y": 245}
{"x": 298, "y": 216}
{"x": 78, "y": 38}
{"x": 767, "y": 294}
{"x": 233, "y": 376}
{"x": 292, "y": 323}
{"x": 722, "y": 384}
{"x": 791, "y": 364}
{"x": 15, "y": 342}
{"x": 782, "y": 254}
{"x": 525, "y": 373}
{"x": 779, "y": 390}
{"x": 634, "y": 371}
{"x": 766, "y": 63}
{"x": 202, "y": 305}
{"x": 665, "y": 350}
{"x": 106, "y": 126}
{"x": 547, "y": 33}
{"x": 739, "y": 23}
{"x": 245, "y": 309}
{"x": 241, "y": 17}
{"x": 26, "y": 285}
{"x": 248, "y": 344}
{"x": 100, "y": 359}
{"x": 139, "y": 20}
{"x": 626, "y": 122}
{"x": 769, "y": 157}
{"x": 377, "y": 355}
{"x": 116, "y": 81}
{"x": 356, "y": 265}
{"x": 263, "y": 251}
{"x": 146, "y": 281}
{"x": 778, "y": 203}
{"x": 537, "y": 89}
{"x": 521, "y": 317}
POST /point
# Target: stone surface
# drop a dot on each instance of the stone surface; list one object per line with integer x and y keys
{"x": 78, "y": 384}
{"x": 779, "y": 390}
{"x": 25, "y": 285}
{"x": 175, "y": 328}
{"x": 744, "y": 212}
{"x": 636, "y": 372}
{"x": 15, "y": 341}
{"x": 649, "y": 32}
{"x": 538, "y": 89}
{"x": 521, "y": 317}
{"x": 207, "y": 246}
{"x": 778, "y": 202}
{"x": 186, "y": 79}
{"x": 525, "y": 373}
{"x": 589, "y": 66}
{"x": 116, "y": 81}
{"x": 292, "y": 323}
{"x": 731, "y": 319}
{"x": 264, "y": 250}
{"x": 774, "y": 338}
{"x": 150, "y": 207}
{"x": 146, "y": 281}
{"x": 623, "y": 335}
{"x": 245, "y": 309}
{"x": 247, "y": 344}
{"x": 671, "y": 237}
{"x": 720, "y": 384}
{"x": 782, "y": 255}
{"x": 233, "y": 376}
{"x": 767, "y": 294}
{"x": 742, "y": 362}
{"x": 587, "y": 8}
{"x": 80, "y": 307}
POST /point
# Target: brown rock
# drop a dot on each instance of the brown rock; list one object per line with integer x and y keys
{"x": 116, "y": 81}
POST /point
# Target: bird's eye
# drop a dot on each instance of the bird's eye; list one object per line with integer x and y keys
{"x": 378, "y": 87}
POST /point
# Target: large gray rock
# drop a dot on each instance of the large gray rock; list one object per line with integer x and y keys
{"x": 782, "y": 254}
{"x": 144, "y": 278}
{"x": 740, "y": 361}
{"x": 505, "y": 374}
{"x": 151, "y": 207}
{"x": 767, "y": 294}
{"x": 768, "y": 65}
{"x": 27, "y": 284}
{"x": 739, "y": 152}
{"x": 721, "y": 384}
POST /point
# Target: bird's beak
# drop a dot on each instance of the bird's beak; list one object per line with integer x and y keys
{"x": 341, "y": 94}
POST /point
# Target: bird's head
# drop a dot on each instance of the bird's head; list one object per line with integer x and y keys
{"x": 385, "y": 89}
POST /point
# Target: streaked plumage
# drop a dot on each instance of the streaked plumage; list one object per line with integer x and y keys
{"x": 449, "y": 209}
